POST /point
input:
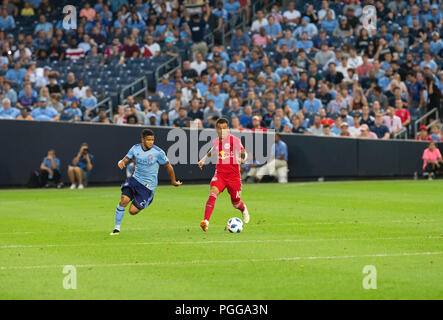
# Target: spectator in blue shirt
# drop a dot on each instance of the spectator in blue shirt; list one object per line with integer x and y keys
{"x": 232, "y": 7}
{"x": 9, "y": 93}
{"x": 16, "y": 75}
{"x": 436, "y": 44}
{"x": 45, "y": 26}
{"x": 237, "y": 64}
{"x": 50, "y": 170}
{"x": 329, "y": 24}
{"x": 304, "y": 43}
{"x": 221, "y": 12}
{"x": 273, "y": 29}
{"x": 219, "y": 98}
{"x": 239, "y": 39}
{"x": 43, "y": 112}
{"x": 312, "y": 104}
{"x": 6, "y": 22}
{"x": 165, "y": 88}
{"x": 277, "y": 165}
{"x": 74, "y": 111}
{"x": 89, "y": 101}
{"x": 8, "y": 112}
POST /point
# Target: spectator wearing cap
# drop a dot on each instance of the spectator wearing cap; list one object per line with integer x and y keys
{"x": 436, "y": 44}
{"x": 423, "y": 134}
{"x": 43, "y": 112}
{"x": 170, "y": 49}
{"x": 434, "y": 15}
{"x": 329, "y": 23}
{"x": 197, "y": 27}
{"x": 432, "y": 160}
{"x": 8, "y": 112}
{"x": 366, "y": 134}
{"x": 344, "y": 132}
{"x": 256, "y": 124}
{"x": 312, "y": 105}
{"x": 306, "y": 27}
{"x": 381, "y": 131}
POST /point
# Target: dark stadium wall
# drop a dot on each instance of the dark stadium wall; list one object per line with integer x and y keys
{"x": 25, "y": 143}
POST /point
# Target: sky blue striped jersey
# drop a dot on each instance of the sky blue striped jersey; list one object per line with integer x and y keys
{"x": 147, "y": 164}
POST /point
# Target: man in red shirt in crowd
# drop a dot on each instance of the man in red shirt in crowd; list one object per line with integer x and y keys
{"x": 423, "y": 134}
{"x": 403, "y": 114}
{"x": 256, "y": 126}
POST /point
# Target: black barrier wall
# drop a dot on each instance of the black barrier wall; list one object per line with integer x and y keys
{"x": 24, "y": 144}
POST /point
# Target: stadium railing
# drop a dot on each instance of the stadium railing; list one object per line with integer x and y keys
{"x": 132, "y": 88}
{"x": 427, "y": 115}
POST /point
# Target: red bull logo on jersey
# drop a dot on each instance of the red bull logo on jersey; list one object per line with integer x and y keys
{"x": 222, "y": 155}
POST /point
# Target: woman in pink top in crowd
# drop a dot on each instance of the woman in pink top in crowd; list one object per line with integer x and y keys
{"x": 432, "y": 160}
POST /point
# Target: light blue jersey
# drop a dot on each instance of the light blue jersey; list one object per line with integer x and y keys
{"x": 147, "y": 164}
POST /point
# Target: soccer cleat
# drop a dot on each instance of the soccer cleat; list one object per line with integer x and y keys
{"x": 115, "y": 232}
{"x": 80, "y": 186}
{"x": 245, "y": 215}
{"x": 204, "y": 225}
{"x": 72, "y": 186}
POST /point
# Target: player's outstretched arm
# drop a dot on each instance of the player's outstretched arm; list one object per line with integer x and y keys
{"x": 171, "y": 173}
{"x": 122, "y": 163}
{"x": 203, "y": 160}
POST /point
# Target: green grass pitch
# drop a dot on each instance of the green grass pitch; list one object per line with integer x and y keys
{"x": 304, "y": 241}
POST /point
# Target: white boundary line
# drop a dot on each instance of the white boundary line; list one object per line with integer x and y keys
{"x": 12, "y": 246}
{"x": 144, "y": 264}
{"x": 260, "y": 224}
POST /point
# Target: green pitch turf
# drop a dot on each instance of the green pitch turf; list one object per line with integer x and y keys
{"x": 304, "y": 241}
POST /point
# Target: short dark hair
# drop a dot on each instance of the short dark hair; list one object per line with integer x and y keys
{"x": 221, "y": 121}
{"x": 147, "y": 133}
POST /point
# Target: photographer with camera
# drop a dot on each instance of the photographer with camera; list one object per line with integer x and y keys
{"x": 80, "y": 167}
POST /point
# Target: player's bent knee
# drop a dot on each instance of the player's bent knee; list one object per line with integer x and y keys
{"x": 133, "y": 210}
{"x": 124, "y": 200}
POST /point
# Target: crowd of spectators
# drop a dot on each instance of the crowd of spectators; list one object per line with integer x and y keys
{"x": 299, "y": 67}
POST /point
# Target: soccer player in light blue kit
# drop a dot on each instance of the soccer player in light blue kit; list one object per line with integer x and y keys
{"x": 140, "y": 187}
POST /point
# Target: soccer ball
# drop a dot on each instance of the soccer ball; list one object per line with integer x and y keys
{"x": 235, "y": 225}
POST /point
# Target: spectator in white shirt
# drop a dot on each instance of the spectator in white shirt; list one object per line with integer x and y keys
{"x": 291, "y": 16}
{"x": 198, "y": 64}
{"x": 260, "y": 22}
{"x": 392, "y": 121}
